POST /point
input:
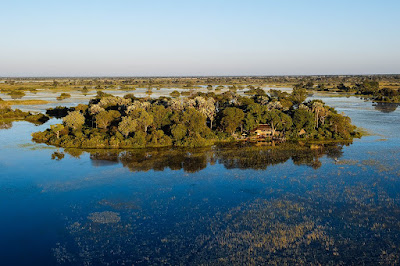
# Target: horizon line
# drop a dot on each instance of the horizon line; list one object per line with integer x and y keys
{"x": 197, "y": 76}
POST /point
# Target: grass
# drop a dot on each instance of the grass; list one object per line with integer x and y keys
{"x": 24, "y": 102}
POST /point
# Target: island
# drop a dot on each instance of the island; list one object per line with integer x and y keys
{"x": 8, "y": 115}
{"x": 200, "y": 119}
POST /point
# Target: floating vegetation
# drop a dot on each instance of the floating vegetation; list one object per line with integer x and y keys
{"x": 118, "y": 205}
{"x": 347, "y": 162}
{"x": 265, "y": 232}
{"x": 34, "y": 146}
{"x": 379, "y": 166}
{"x": 106, "y": 217}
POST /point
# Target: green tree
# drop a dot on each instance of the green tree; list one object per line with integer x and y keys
{"x": 74, "y": 120}
{"x": 231, "y": 119}
{"x": 57, "y": 128}
{"x": 341, "y": 125}
{"x": 303, "y": 119}
{"x": 179, "y": 131}
{"x": 143, "y": 118}
{"x": 298, "y": 95}
{"x": 175, "y": 94}
{"x": 160, "y": 116}
{"x": 105, "y": 118}
{"x": 188, "y": 124}
{"x": 278, "y": 120}
{"x": 127, "y": 126}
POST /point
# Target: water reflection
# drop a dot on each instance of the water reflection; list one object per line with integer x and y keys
{"x": 386, "y": 107}
{"x": 100, "y": 213}
{"x": 5, "y": 125}
{"x": 240, "y": 156}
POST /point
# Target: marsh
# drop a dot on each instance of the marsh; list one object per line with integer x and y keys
{"x": 213, "y": 205}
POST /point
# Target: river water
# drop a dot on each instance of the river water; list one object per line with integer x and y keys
{"x": 219, "y": 205}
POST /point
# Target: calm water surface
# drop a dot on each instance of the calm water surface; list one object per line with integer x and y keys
{"x": 220, "y": 205}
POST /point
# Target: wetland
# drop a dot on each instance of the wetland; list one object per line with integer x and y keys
{"x": 223, "y": 204}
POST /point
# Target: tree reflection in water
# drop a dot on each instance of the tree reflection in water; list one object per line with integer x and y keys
{"x": 386, "y": 107}
{"x": 238, "y": 156}
{"x": 5, "y": 125}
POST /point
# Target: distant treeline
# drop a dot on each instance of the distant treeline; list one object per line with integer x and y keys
{"x": 326, "y": 81}
{"x": 367, "y": 88}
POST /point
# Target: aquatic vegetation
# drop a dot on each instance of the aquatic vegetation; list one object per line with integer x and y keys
{"x": 302, "y": 203}
{"x": 347, "y": 162}
{"x": 24, "y": 102}
{"x": 265, "y": 232}
{"x": 105, "y": 217}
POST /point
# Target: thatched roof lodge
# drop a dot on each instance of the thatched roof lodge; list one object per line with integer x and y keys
{"x": 263, "y": 131}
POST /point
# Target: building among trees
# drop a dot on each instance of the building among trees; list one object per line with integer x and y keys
{"x": 263, "y": 131}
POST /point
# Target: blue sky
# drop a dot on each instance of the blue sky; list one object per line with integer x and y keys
{"x": 164, "y": 38}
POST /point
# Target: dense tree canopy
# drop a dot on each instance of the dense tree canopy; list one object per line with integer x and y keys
{"x": 199, "y": 120}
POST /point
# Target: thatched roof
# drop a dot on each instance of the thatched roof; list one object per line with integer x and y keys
{"x": 262, "y": 127}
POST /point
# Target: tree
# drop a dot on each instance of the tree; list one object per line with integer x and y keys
{"x": 206, "y": 107}
{"x": 309, "y": 85}
{"x": 63, "y": 96}
{"x": 249, "y": 122}
{"x": 253, "y": 116}
{"x": 303, "y": 119}
{"x": 176, "y": 105}
{"x": 74, "y": 120}
{"x": 95, "y": 109}
{"x": 160, "y": 116}
{"x": 341, "y": 125}
{"x": 317, "y": 107}
{"x": 189, "y": 123}
{"x": 127, "y": 126}
{"x": 278, "y": 120}
{"x": 232, "y": 118}
{"x": 143, "y": 118}
{"x": 85, "y": 89}
{"x": 105, "y": 118}
{"x": 175, "y": 94}
{"x": 57, "y": 128}
{"x": 149, "y": 91}
{"x": 178, "y": 131}
{"x": 298, "y": 95}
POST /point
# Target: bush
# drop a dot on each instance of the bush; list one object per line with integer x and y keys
{"x": 63, "y": 96}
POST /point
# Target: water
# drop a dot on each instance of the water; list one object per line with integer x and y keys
{"x": 219, "y": 205}
{"x": 78, "y": 97}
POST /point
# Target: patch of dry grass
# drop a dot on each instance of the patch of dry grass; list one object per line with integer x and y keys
{"x": 24, "y": 102}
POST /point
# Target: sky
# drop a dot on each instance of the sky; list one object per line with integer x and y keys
{"x": 198, "y": 38}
